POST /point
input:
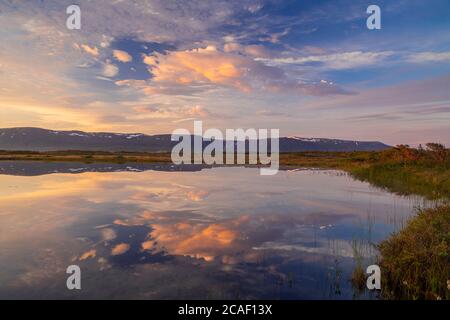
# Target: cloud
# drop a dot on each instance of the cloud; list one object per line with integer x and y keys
{"x": 202, "y": 65}
{"x": 381, "y": 113}
{"x": 197, "y": 195}
{"x": 120, "y": 249}
{"x": 201, "y": 68}
{"x": 421, "y": 57}
{"x": 313, "y": 50}
{"x": 256, "y": 51}
{"x": 316, "y": 88}
{"x": 418, "y": 94}
{"x": 167, "y": 89}
{"x": 122, "y": 56}
{"x": 108, "y": 234}
{"x": 93, "y": 51}
{"x": 197, "y": 111}
{"x": 269, "y": 113}
{"x": 275, "y": 37}
{"x": 355, "y": 59}
{"x": 149, "y": 60}
{"x": 337, "y": 61}
{"x": 110, "y": 70}
{"x": 232, "y": 47}
{"x": 182, "y": 22}
{"x": 89, "y": 254}
{"x": 170, "y": 112}
{"x": 148, "y": 245}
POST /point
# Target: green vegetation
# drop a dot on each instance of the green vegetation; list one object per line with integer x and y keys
{"x": 415, "y": 262}
{"x": 328, "y": 160}
{"x": 406, "y": 170}
{"x": 403, "y": 170}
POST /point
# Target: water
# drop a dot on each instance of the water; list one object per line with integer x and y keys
{"x": 204, "y": 233}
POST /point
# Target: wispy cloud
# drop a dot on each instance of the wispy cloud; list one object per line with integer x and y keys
{"x": 421, "y": 57}
{"x": 343, "y": 60}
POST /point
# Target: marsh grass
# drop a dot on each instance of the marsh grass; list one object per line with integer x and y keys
{"x": 406, "y": 171}
{"x": 430, "y": 182}
{"x": 415, "y": 262}
{"x": 358, "y": 277}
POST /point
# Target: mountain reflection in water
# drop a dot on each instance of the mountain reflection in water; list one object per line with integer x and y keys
{"x": 187, "y": 233}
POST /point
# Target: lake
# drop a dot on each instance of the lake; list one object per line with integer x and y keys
{"x": 165, "y": 232}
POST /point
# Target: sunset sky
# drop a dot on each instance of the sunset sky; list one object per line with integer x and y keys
{"x": 309, "y": 68}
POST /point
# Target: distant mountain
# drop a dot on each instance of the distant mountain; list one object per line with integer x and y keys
{"x": 296, "y": 144}
{"x": 36, "y": 139}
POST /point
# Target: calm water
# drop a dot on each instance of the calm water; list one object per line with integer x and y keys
{"x": 167, "y": 233}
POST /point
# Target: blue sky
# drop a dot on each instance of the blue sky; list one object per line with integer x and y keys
{"x": 309, "y": 68}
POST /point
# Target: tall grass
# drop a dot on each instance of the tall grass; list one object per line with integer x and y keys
{"x": 406, "y": 170}
{"x": 432, "y": 183}
{"x": 415, "y": 262}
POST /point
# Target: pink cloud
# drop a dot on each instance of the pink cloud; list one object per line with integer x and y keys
{"x": 188, "y": 71}
{"x": 122, "y": 56}
{"x": 93, "y": 51}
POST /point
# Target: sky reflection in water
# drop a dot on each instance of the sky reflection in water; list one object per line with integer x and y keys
{"x": 216, "y": 233}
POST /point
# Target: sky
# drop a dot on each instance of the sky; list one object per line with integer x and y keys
{"x": 308, "y": 68}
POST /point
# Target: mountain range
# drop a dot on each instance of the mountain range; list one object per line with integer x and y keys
{"x": 37, "y": 139}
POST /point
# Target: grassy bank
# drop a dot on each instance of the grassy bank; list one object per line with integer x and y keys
{"x": 402, "y": 170}
{"x": 405, "y": 170}
{"x": 327, "y": 160}
{"x": 85, "y": 156}
{"x": 432, "y": 183}
{"x": 415, "y": 262}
